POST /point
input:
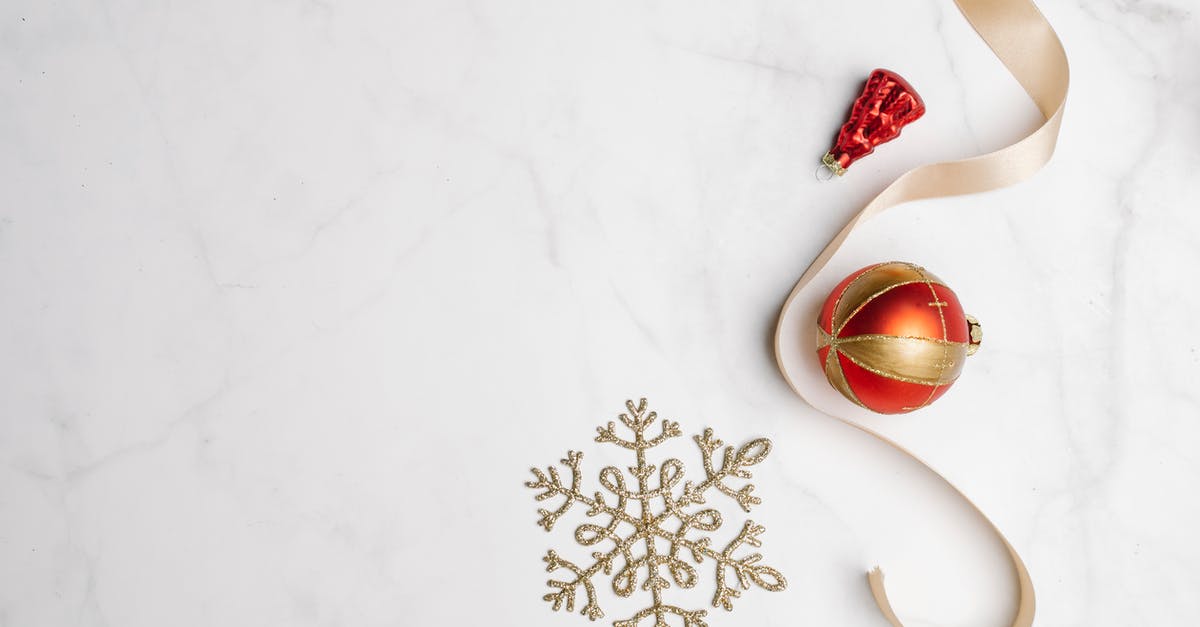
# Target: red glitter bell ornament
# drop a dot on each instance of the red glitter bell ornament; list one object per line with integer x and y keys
{"x": 887, "y": 104}
{"x": 893, "y": 338}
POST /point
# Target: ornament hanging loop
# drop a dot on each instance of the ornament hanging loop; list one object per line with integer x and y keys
{"x": 831, "y": 163}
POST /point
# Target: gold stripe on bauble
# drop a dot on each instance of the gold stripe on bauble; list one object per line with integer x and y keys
{"x": 874, "y": 283}
{"x": 925, "y": 361}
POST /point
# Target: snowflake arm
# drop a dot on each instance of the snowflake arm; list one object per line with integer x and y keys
{"x": 732, "y": 465}
{"x": 551, "y": 485}
{"x": 746, "y": 569}
{"x": 637, "y": 420}
{"x": 691, "y": 618}
{"x": 567, "y": 589}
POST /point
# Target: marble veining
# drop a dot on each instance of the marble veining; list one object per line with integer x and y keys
{"x": 294, "y": 294}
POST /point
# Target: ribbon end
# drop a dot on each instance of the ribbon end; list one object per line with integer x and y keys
{"x": 875, "y": 581}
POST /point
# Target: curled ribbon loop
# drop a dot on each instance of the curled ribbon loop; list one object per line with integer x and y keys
{"x": 1023, "y": 40}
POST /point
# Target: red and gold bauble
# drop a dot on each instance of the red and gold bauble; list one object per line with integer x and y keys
{"x": 893, "y": 338}
{"x": 887, "y": 103}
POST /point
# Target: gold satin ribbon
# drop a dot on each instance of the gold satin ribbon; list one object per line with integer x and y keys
{"x": 1023, "y": 40}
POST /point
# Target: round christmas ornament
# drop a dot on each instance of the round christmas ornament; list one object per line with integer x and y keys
{"x": 893, "y": 338}
{"x": 886, "y": 105}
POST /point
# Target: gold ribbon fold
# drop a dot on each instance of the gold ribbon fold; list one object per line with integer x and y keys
{"x": 1025, "y": 43}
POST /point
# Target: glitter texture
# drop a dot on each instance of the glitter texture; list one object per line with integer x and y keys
{"x": 676, "y": 522}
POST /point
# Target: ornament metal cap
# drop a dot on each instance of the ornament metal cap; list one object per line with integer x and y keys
{"x": 976, "y": 335}
{"x": 829, "y": 166}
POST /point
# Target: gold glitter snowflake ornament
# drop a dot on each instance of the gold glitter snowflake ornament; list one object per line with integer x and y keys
{"x": 633, "y": 553}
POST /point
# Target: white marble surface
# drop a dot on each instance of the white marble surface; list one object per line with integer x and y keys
{"x": 295, "y": 292}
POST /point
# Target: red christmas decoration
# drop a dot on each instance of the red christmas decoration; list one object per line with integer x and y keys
{"x": 886, "y": 105}
{"x": 893, "y": 338}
